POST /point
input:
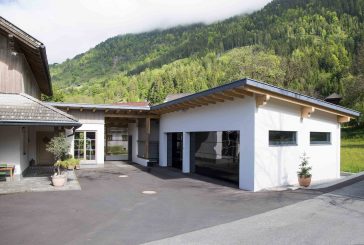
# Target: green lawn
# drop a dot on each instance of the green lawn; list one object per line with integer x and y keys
{"x": 352, "y": 150}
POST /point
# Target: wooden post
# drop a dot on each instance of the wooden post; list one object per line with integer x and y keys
{"x": 261, "y": 99}
{"x": 342, "y": 119}
{"x": 307, "y": 111}
{"x": 147, "y": 134}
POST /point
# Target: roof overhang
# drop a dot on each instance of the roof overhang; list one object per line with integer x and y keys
{"x": 262, "y": 93}
{"x": 110, "y": 110}
{"x": 22, "y": 109}
{"x": 33, "y": 50}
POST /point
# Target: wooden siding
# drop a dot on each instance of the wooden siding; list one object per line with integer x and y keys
{"x": 88, "y": 117}
{"x": 15, "y": 73}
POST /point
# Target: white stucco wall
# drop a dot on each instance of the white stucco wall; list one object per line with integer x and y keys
{"x": 13, "y": 147}
{"x": 230, "y": 115}
{"x": 278, "y": 165}
{"x": 133, "y": 131}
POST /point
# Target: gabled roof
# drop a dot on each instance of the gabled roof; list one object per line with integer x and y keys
{"x": 22, "y": 109}
{"x": 333, "y": 96}
{"x": 33, "y": 50}
{"x": 249, "y": 87}
{"x": 175, "y": 96}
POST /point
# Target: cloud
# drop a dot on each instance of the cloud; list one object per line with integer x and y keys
{"x": 70, "y": 27}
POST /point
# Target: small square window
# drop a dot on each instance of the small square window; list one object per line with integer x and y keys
{"x": 282, "y": 137}
{"x": 320, "y": 138}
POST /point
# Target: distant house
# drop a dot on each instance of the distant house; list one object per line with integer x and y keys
{"x": 247, "y": 132}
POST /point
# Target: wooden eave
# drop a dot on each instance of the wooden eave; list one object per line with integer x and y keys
{"x": 262, "y": 97}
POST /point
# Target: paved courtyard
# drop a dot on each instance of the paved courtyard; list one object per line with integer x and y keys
{"x": 112, "y": 209}
{"x": 37, "y": 179}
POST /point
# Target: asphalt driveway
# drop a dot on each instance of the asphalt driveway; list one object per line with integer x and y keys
{"x": 111, "y": 208}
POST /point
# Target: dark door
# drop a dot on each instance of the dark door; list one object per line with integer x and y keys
{"x": 177, "y": 152}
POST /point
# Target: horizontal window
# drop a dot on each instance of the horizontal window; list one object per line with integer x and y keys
{"x": 282, "y": 137}
{"x": 320, "y": 138}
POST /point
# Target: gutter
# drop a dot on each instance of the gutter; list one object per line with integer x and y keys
{"x": 39, "y": 123}
{"x": 43, "y": 55}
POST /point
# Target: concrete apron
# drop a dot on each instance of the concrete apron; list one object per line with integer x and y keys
{"x": 38, "y": 184}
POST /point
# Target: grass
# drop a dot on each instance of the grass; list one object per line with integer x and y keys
{"x": 352, "y": 150}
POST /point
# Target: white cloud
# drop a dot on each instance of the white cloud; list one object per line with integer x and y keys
{"x": 70, "y": 27}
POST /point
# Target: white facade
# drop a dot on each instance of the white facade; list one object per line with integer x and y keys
{"x": 91, "y": 122}
{"x": 261, "y": 165}
{"x": 278, "y": 165}
{"x": 237, "y": 115}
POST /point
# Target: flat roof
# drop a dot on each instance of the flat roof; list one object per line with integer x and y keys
{"x": 98, "y": 106}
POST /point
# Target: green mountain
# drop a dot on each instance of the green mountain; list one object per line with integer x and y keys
{"x": 311, "y": 46}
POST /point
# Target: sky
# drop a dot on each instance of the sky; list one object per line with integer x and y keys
{"x": 71, "y": 27}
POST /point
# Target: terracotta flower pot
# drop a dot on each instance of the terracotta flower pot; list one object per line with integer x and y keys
{"x": 71, "y": 167}
{"x": 304, "y": 181}
{"x": 59, "y": 180}
{"x": 78, "y": 167}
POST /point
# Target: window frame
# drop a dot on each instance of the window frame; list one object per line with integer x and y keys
{"x": 84, "y": 159}
{"x": 329, "y": 142}
{"x": 295, "y": 143}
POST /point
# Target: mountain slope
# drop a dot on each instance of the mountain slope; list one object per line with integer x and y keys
{"x": 312, "y": 46}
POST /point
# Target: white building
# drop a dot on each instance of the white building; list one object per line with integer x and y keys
{"x": 247, "y": 132}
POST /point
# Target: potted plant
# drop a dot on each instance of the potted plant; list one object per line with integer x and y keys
{"x": 304, "y": 175}
{"x": 59, "y": 147}
{"x": 72, "y": 163}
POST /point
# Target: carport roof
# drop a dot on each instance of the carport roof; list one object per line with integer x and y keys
{"x": 22, "y": 109}
{"x": 121, "y": 106}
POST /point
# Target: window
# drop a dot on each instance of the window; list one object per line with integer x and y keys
{"x": 85, "y": 145}
{"x": 320, "y": 138}
{"x": 282, "y": 137}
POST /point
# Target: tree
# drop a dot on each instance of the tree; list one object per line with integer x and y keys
{"x": 59, "y": 146}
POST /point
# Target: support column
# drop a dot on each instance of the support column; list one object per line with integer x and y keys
{"x": 186, "y": 153}
{"x": 162, "y": 149}
{"x": 246, "y": 160}
{"x": 147, "y": 136}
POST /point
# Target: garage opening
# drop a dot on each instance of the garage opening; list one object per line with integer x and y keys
{"x": 116, "y": 143}
{"x": 216, "y": 154}
{"x": 175, "y": 150}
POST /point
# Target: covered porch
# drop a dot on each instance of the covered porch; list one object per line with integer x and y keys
{"x": 26, "y": 126}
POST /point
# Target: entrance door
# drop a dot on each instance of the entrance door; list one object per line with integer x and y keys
{"x": 177, "y": 150}
{"x": 43, "y": 156}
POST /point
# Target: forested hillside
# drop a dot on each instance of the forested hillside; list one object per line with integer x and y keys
{"x": 311, "y": 46}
